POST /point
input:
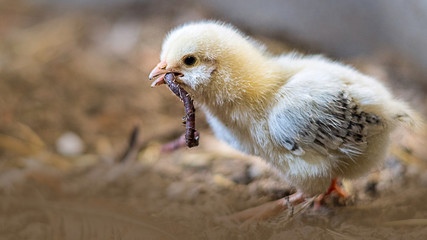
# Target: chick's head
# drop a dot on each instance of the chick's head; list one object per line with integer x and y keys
{"x": 209, "y": 59}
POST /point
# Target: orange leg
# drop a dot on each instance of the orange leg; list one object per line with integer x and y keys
{"x": 334, "y": 187}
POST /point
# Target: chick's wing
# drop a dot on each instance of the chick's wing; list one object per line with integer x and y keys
{"x": 328, "y": 122}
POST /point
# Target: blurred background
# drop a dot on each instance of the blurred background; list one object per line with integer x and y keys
{"x": 74, "y": 89}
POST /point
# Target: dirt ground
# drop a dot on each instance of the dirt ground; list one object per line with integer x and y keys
{"x": 73, "y": 87}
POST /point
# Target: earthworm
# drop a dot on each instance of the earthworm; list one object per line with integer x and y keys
{"x": 191, "y": 134}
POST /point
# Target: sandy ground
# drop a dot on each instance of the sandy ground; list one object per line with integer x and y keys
{"x": 84, "y": 74}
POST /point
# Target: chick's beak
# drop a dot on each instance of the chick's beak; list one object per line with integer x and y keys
{"x": 159, "y": 72}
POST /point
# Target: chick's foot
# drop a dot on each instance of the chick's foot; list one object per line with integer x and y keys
{"x": 268, "y": 210}
{"x": 333, "y": 188}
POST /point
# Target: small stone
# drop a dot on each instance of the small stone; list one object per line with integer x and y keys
{"x": 69, "y": 144}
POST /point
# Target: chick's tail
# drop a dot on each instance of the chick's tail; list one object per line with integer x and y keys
{"x": 403, "y": 115}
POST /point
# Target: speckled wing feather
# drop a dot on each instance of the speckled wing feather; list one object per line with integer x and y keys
{"x": 332, "y": 126}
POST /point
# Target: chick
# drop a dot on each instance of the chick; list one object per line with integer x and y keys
{"x": 312, "y": 119}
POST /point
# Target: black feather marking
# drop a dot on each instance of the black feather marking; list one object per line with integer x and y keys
{"x": 343, "y": 127}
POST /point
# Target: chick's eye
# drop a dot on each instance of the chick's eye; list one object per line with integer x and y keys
{"x": 190, "y": 60}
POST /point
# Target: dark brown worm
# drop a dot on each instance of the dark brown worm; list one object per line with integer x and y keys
{"x": 191, "y": 135}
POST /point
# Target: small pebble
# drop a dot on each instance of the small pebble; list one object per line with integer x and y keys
{"x": 69, "y": 144}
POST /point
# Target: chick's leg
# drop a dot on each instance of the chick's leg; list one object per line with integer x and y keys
{"x": 269, "y": 209}
{"x": 334, "y": 187}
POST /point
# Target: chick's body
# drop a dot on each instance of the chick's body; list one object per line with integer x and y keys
{"x": 325, "y": 121}
{"x": 310, "y": 118}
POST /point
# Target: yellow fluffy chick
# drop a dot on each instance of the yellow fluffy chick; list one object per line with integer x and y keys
{"x": 312, "y": 119}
